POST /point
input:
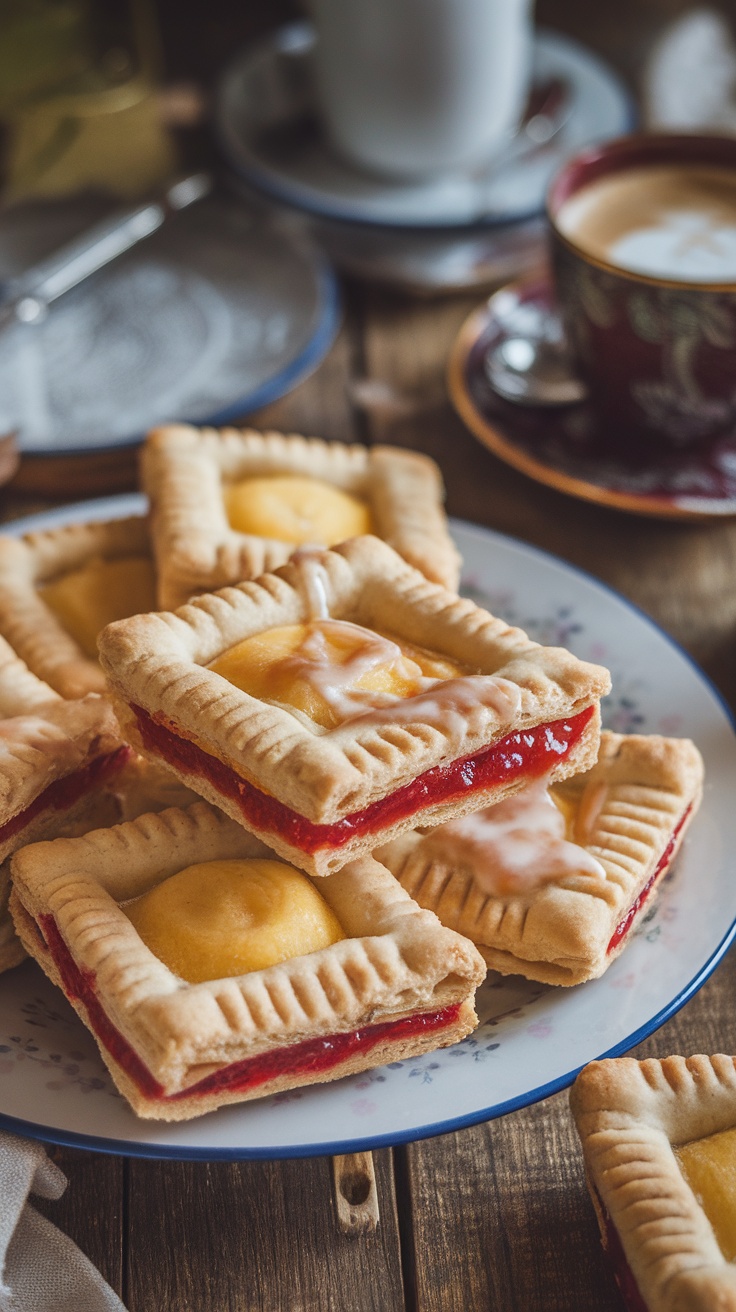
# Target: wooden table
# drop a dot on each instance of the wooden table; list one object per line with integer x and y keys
{"x": 495, "y": 1217}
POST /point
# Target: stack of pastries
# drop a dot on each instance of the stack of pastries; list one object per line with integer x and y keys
{"x": 400, "y": 790}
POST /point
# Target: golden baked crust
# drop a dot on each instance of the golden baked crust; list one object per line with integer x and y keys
{"x": 397, "y": 961}
{"x": 156, "y": 663}
{"x": 629, "y": 1114}
{"x": 560, "y": 933}
{"x": 12, "y": 951}
{"x": 183, "y": 471}
{"x": 43, "y": 739}
{"x": 29, "y": 625}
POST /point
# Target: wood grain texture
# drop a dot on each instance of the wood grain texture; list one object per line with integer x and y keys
{"x": 256, "y": 1237}
{"x": 500, "y": 1215}
{"x": 91, "y": 1211}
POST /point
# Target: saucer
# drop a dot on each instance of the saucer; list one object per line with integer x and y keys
{"x": 270, "y": 134}
{"x": 565, "y": 448}
{"x": 210, "y": 318}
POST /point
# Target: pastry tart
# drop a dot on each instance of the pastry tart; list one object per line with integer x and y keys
{"x": 59, "y": 587}
{"x": 285, "y": 702}
{"x": 659, "y": 1141}
{"x": 58, "y": 761}
{"x": 550, "y": 883}
{"x": 231, "y": 504}
{"x": 372, "y": 979}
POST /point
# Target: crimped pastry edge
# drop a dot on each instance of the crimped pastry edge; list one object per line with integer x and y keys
{"x": 560, "y": 934}
{"x": 183, "y": 468}
{"x": 157, "y": 662}
{"x": 396, "y": 960}
{"x": 86, "y": 729}
{"x": 29, "y": 625}
{"x": 628, "y": 1115}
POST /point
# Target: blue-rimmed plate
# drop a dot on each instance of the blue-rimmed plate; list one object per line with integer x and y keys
{"x": 532, "y": 1039}
{"x": 213, "y": 316}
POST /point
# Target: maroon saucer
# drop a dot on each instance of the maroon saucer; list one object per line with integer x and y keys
{"x": 567, "y": 448}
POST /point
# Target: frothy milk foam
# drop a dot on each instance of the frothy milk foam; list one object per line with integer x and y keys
{"x": 667, "y": 221}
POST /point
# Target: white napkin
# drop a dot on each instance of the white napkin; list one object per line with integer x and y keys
{"x": 41, "y": 1270}
{"x": 690, "y": 78}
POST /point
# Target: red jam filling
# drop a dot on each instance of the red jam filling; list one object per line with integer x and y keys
{"x": 307, "y": 1059}
{"x": 625, "y": 924}
{"x": 622, "y": 1272}
{"x": 531, "y": 753}
{"x": 63, "y": 793}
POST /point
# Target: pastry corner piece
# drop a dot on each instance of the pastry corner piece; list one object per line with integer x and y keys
{"x": 230, "y": 504}
{"x": 188, "y": 1012}
{"x": 551, "y": 883}
{"x": 59, "y": 587}
{"x": 659, "y": 1143}
{"x": 58, "y": 761}
{"x": 344, "y": 698}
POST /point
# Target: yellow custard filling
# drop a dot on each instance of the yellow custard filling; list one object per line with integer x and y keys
{"x": 87, "y": 599}
{"x": 330, "y": 670}
{"x": 295, "y": 509}
{"x": 709, "y": 1166}
{"x": 221, "y": 918}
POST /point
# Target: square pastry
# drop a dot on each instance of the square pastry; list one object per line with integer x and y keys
{"x": 59, "y": 587}
{"x": 58, "y": 762}
{"x": 345, "y": 698}
{"x": 659, "y": 1141}
{"x": 550, "y": 883}
{"x": 209, "y": 972}
{"x": 231, "y": 504}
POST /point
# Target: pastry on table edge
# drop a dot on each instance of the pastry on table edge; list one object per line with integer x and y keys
{"x": 632, "y": 1116}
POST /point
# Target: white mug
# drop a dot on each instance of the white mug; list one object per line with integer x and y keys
{"x": 412, "y": 88}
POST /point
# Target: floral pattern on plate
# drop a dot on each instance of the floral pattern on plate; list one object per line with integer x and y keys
{"x": 532, "y": 1038}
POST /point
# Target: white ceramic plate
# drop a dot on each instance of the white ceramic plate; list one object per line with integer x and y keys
{"x": 532, "y": 1039}
{"x": 269, "y": 134}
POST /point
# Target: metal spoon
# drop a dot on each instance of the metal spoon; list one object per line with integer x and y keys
{"x": 534, "y": 371}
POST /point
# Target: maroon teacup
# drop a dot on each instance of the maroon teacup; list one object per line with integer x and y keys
{"x": 644, "y": 260}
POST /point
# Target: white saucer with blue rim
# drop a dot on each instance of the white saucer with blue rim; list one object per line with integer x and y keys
{"x": 270, "y": 134}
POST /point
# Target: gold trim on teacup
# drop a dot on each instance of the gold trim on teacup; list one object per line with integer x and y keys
{"x": 506, "y": 450}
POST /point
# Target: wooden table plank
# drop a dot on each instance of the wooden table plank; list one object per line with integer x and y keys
{"x": 256, "y": 1237}
{"x": 91, "y": 1211}
{"x": 500, "y": 1214}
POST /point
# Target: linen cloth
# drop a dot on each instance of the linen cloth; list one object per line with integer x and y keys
{"x": 41, "y": 1270}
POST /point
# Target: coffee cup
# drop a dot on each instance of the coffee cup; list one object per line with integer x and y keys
{"x": 414, "y": 88}
{"x": 644, "y": 262}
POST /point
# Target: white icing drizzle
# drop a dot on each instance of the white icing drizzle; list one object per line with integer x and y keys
{"x": 512, "y": 848}
{"x": 334, "y": 681}
{"x": 453, "y": 704}
{"x": 308, "y": 560}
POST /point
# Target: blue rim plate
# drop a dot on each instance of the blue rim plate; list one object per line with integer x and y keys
{"x": 268, "y": 132}
{"x": 213, "y": 317}
{"x": 532, "y": 1040}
